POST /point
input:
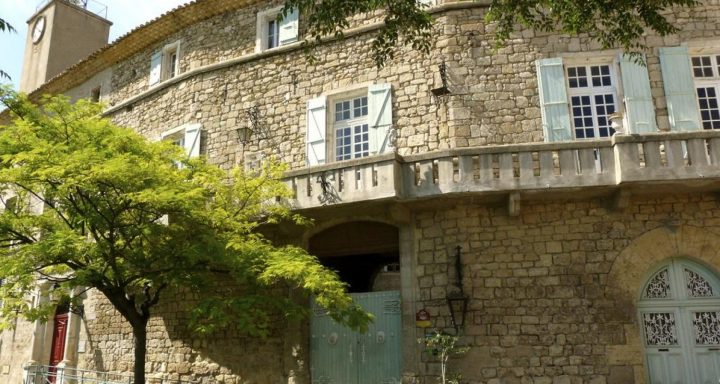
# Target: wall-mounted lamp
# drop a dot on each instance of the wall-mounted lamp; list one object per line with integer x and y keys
{"x": 244, "y": 134}
{"x": 456, "y": 300}
{"x": 443, "y": 89}
{"x": 254, "y": 127}
{"x": 457, "y": 303}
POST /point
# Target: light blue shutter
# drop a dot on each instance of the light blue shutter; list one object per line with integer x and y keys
{"x": 289, "y": 28}
{"x": 553, "y": 100}
{"x": 315, "y": 138}
{"x": 679, "y": 89}
{"x": 637, "y": 97}
{"x": 155, "y": 68}
{"x": 192, "y": 140}
{"x": 380, "y": 117}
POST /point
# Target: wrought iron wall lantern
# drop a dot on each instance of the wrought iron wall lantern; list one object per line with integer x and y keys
{"x": 457, "y": 303}
{"x": 457, "y": 300}
{"x": 244, "y": 133}
{"x": 253, "y": 126}
{"x": 443, "y": 89}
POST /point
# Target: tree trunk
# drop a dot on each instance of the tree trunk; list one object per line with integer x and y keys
{"x": 140, "y": 338}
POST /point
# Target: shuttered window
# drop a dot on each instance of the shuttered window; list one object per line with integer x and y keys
{"x": 350, "y": 126}
{"x": 592, "y": 100}
{"x": 576, "y": 100}
{"x": 272, "y": 33}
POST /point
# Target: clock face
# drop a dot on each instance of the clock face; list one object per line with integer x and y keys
{"x": 38, "y": 29}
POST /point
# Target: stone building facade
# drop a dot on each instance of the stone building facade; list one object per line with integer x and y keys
{"x": 586, "y": 257}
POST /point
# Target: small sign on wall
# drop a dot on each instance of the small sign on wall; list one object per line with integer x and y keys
{"x": 5, "y": 369}
{"x": 422, "y": 319}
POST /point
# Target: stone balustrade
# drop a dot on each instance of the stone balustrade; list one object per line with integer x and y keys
{"x": 534, "y": 167}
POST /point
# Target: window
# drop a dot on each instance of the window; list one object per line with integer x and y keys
{"x": 165, "y": 64}
{"x": 351, "y": 129}
{"x": 187, "y": 136}
{"x": 592, "y": 100}
{"x": 95, "y": 94}
{"x": 360, "y": 124}
{"x": 272, "y": 32}
{"x": 706, "y": 73}
{"x": 577, "y": 99}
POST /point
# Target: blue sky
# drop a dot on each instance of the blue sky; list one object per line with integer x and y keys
{"x": 125, "y": 15}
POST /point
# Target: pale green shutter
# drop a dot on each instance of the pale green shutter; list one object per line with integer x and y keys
{"x": 316, "y": 128}
{"x": 679, "y": 89}
{"x": 155, "y": 68}
{"x": 380, "y": 117}
{"x": 637, "y": 96}
{"x": 192, "y": 140}
{"x": 553, "y": 100}
{"x": 288, "y": 28}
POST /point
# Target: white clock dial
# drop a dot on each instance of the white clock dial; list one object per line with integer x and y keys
{"x": 38, "y": 29}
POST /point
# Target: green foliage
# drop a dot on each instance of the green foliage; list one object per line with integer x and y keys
{"x": 406, "y": 21}
{"x": 444, "y": 346}
{"x": 612, "y": 23}
{"x": 5, "y": 26}
{"x": 90, "y": 204}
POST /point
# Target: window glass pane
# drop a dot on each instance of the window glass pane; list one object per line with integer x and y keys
{"x": 360, "y": 107}
{"x": 702, "y": 66}
{"x": 343, "y": 144}
{"x": 361, "y": 139}
{"x": 709, "y": 111}
{"x": 342, "y": 110}
{"x": 577, "y": 77}
{"x": 600, "y": 76}
{"x": 272, "y": 34}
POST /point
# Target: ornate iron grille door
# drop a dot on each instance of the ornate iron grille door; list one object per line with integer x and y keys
{"x": 680, "y": 320}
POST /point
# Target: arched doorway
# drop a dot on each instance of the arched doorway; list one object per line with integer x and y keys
{"x": 366, "y": 256}
{"x": 680, "y": 321}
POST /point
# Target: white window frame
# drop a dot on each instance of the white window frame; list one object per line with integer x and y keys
{"x": 592, "y": 91}
{"x": 179, "y": 136}
{"x": 351, "y": 123}
{"x": 264, "y": 18}
{"x": 169, "y": 63}
{"x": 707, "y": 82}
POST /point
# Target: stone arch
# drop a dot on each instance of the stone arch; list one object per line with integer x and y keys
{"x": 627, "y": 277}
{"x": 324, "y": 225}
{"x": 634, "y": 264}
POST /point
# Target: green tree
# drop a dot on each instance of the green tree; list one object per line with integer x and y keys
{"x": 5, "y": 26}
{"x": 89, "y": 204}
{"x": 612, "y": 23}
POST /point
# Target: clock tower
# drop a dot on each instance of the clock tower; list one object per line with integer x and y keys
{"x": 60, "y": 34}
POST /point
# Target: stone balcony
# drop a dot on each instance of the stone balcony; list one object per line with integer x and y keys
{"x": 667, "y": 161}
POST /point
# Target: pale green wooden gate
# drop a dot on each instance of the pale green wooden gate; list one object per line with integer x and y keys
{"x": 340, "y": 356}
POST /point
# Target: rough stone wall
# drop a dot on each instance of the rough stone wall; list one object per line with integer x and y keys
{"x": 15, "y": 351}
{"x": 542, "y": 307}
{"x": 175, "y": 352}
{"x": 494, "y": 100}
{"x": 218, "y": 100}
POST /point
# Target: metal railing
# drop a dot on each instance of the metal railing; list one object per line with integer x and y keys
{"x": 44, "y": 374}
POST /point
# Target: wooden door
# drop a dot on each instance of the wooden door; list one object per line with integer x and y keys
{"x": 57, "y": 351}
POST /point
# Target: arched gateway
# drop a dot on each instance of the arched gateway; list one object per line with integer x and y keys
{"x": 365, "y": 255}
